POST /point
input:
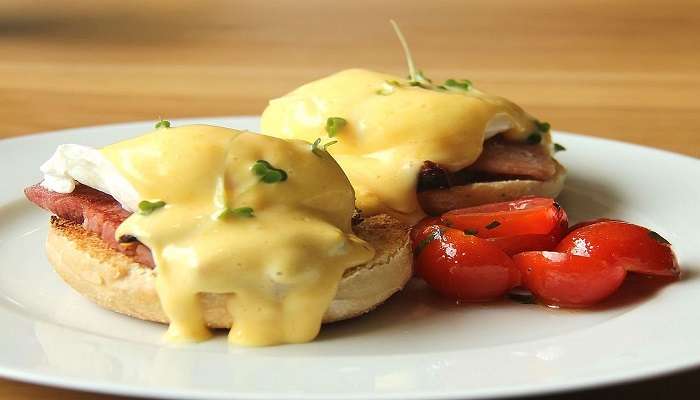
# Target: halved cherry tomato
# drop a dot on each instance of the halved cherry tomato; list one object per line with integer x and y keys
{"x": 567, "y": 280}
{"x": 632, "y": 247}
{"x": 463, "y": 267}
{"x": 509, "y": 244}
{"x": 526, "y": 216}
{"x": 527, "y": 224}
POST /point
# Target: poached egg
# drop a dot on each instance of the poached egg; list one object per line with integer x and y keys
{"x": 391, "y": 126}
{"x": 261, "y": 220}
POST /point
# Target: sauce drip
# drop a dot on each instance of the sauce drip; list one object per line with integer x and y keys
{"x": 388, "y": 136}
{"x": 279, "y": 268}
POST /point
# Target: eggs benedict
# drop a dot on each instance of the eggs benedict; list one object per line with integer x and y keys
{"x": 411, "y": 146}
{"x": 202, "y": 226}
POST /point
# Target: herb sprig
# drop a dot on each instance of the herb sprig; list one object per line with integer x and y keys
{"x": 461, "y": 84}
{"x": 416, "y": 77}
{"x": 541, "y": 128}
{"x": 334, "y": 125}
{"x": 147, "y": 207}
{"x": 318, "y": 149}
{"x": 163, "y": 123}
{"x": 412, "y": 72}
{"x": 493, "y": 225}
{"x": 268, "y": 173}
{"x": 240, "y": 212}
{"x": 434, "y": 235}
{"x": 534, "y": 138}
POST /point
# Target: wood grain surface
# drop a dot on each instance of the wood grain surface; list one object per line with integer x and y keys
{"x": 621, "y": 69}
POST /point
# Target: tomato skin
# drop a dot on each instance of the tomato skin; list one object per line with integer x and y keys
{"x": 464, "y": 267}
{"x": 590, "y": 222}
{"x": 512, "y": 245}
{"x": 420, "y": 226}
{"x": 565, "y": 280}
{"x": 526, "y": 224}
{"x": 525, "y": 216}
{"x": 419, "y": 232}
{"x": 632, "y": 247}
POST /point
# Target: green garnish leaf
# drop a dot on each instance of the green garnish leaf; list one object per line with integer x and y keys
{"x": 268, "y": 173}
{"x": 658, "y": 238}
{"x": 417, "y": 78}
{"x": 240, "y": 212}
{"x": 315, "y": 147}
{"x": 163, "y": 123}
{"x": 422, "y": 244}
{"x": 542, "y": 126}
{"x": 558, "y": 147}
{"x": 462, "y": 84}
{"x": 534, "y": 138}
{"x": 334, "y": 125}
{"x": 434, "y": 235}
{"x": 472, "y": 232}
{"x": 318, "y": 149}
{"x": 522, "y": 298}
{"x": 492, "y": 225}
{"x": 146, "y": 207}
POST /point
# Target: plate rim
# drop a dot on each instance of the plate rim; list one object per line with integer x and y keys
{"x": 82, "y": 384}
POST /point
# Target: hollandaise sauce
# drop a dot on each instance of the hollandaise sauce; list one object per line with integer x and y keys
{"x": 391, "y": 127}
{"x": 260, "y": 220}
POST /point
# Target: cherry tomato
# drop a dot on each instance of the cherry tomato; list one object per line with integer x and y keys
{"x": 632, "y": 247}
{"x": 463, "y": 267}
{"x": 526, "y": 216}
{"x": 566, "y": 280}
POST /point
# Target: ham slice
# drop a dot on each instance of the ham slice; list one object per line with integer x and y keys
{"x": 525, "y": 161}
{"x": 500, "y": 160}
{"x": 98, "y": 212}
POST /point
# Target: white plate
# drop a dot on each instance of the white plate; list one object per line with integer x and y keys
{"x": 414, "y": 347}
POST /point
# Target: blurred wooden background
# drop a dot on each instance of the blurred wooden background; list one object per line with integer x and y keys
{"x": 622, "y": 69}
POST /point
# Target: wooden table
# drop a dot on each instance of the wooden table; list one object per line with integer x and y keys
{"x": 621, "y": 69}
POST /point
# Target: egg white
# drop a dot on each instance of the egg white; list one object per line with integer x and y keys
{"x": 73, "y": 163}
